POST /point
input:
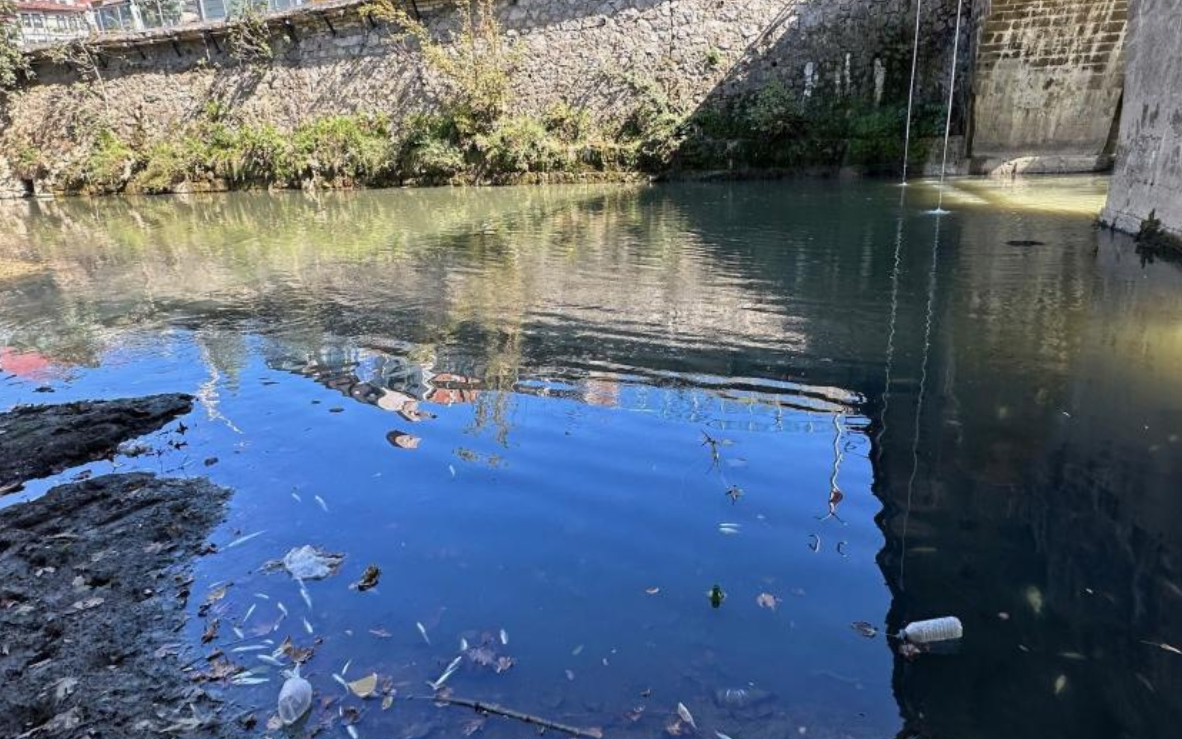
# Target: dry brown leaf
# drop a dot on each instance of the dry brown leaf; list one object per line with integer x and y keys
{"x": 211, "y": 632}
{"x": 364, "y": 687}
{"x": 767, "y": 600}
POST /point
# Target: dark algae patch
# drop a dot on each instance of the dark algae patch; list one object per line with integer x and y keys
{"x": 93, "y": 585}
{"x": 37, "y": 441}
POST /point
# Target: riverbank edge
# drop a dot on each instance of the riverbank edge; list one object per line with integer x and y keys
{"x": 95, "y": 576}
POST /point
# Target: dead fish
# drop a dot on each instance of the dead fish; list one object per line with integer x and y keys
{"x": 451, "y": 669}
{"x": 269, "y": 660}
{"x": 344, "y": 683}
{"x": 250, "y": 680}
{"x": 323, "y": 505}
{"x": 463, "y": 644}
{"x": 306, "y": 596}
{"x": 504, "y": 637}
{"x": 244, "y": 539}
{"x": 308, "y": 627}
{"x": 264, "y": 596}
{"x": 251, "y": 648}
{"x": 720, "y": 735}
{"x": 298, "y": 499}
{"x": 282, "y": 608}
{"x": 352, "y": 731}
{"x": 684, "y": 714}
{"x": 249, "y": 611}
{"x": 1072, "y": 655}
{"x": 1060, "y": 684}
{"x": 345, "y": 669}
{"x": 577, "y": 651}
{"x": 423, "y": 632}
{"x": 238, "y": 632}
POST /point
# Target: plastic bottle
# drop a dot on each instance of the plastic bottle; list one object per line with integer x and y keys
{"x": 933, "y": 630}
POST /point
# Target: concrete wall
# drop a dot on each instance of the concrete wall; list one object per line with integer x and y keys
{"x": 329, "y": 60}
{"x": 1148, "y": 176}
{"x": 1048, "y": 83}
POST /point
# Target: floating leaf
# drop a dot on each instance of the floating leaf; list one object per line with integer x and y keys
{"x": 211, "y": 632}
{"x": 387, "y": 701}
{"x": 767, "y": 600}
{"x": 364, "y": 687}
{"x": 369, "y": 579}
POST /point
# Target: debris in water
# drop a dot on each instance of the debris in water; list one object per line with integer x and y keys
{"x": 320, "y": 501}
{"x": 1060, "y": 684}
{"x": 734, "y": 492}
{"x": 463, "y": 644}
{"x": 387, "y": 701}
{"x": 652, "y": 591}
{"x": 1034, "y": 598}
{"x": 295, "y": 697}
{"x": 310, "y": 563}
{"x": 244, "y": 539}
{"x": 504, "y": 637}
{"x": 403, "y": 440}
{"x": 865, "y": 628}
{"x": 364, "y": 687}
{"x": 931, "y": 630}
{"x": 814, "y": 542}
{"x": 1163, "y": 646}
{"x": 504, "y": 663}
{"x": 423, "y": 632}
{"x": 211, "y": 632}
{"x": 716, "y": 596}
{"x": 369, "y": 579}
{"x": 767, "y": 600}
{"x": 684, "y": 714}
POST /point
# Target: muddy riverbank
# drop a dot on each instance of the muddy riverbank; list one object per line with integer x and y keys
{"x": 94, "y": 580}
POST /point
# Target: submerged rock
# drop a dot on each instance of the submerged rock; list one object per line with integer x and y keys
{"x": 42, "y": 440}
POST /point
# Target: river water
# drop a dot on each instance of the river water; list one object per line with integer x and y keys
{"x": 563, "y": 415}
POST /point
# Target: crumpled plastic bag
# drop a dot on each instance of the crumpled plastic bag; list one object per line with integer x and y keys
{"x": 309, "y": 563}
{"x": 295, "y": 697}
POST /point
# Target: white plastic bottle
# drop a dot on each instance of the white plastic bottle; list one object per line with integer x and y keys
{"x": 933, "y": 630}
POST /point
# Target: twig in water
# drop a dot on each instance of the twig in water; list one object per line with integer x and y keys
{"x": 496, "y": 710}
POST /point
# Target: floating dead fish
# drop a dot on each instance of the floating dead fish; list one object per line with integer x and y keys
{"x": 345, "y": 669}
{"x": 244, "y": 539}
{"x": 1060, "y": 684}
{"x": 423, "y": 632}
{"x": 344, "y": 683}
{"x": 306, "y": 596}
{"x": 684, "y": 714}
{"x": 264, "y": 596}
{"x": 1163, "y": 646}
{"x": 321, "y": 502}
{"x": 250, "y": 680}
{"x": 504, "y": 637}
{"x": 251, "y": 648}
{"x": 720, "y": 735}
{"x": 352, "y": 731}
{"x": 308, "y": 627}
{"x": 282, "y": 608}
{"x": 452, "y": 470}
{"x": 728, "y": 529}
{"x": 269, "y": 660}
{"x": 463, "y": 644}
{"x": 1072, "y": 655}
{"x": 249, "y": 611}
{"x": 577, "y": 651}
{"x": 447, "y": 673}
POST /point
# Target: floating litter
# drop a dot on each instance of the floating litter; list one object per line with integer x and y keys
{"x": 295, "y": 698}
{"x": 932, "y": 630}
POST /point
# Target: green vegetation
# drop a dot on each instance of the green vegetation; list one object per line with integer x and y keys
{"x": 12, "y": 61}
{"x": 1153, "y": 240}
{"x": 248, "y": 38}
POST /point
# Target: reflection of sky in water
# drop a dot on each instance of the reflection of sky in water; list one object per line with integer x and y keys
{"x": 547, "y": 510}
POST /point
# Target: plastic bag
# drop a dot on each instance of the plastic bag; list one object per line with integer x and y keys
{"x": 295, "y": 697}
{"x": 309, "y": 563}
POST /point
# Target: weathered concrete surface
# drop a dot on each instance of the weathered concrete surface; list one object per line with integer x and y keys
{"x": 1148, "y": 176}
{"x": 43, "y": 440}
{"x": 1048, "y": 83}
{"x": 92, "y": 589}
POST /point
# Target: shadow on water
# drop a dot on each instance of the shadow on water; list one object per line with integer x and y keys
{"x": 532, "y": 407}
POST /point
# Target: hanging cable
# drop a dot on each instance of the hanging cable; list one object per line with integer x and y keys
{"x": 951, "y": 92}
{"x": 911, "y": 91}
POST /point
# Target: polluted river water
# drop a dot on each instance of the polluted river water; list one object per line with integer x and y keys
{"x": 617, "y": 449}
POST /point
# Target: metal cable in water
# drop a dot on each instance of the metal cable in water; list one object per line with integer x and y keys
{"x": 923, "y": 379}
{"x": 951, "y": 92}
{"x": 911, "y": 91}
